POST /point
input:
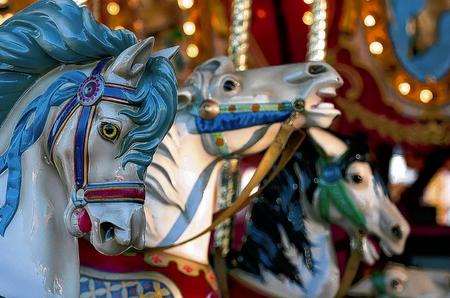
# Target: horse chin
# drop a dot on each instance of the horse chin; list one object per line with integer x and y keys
{"x": 109, "y": 247}
{"x": 370, "y": 251}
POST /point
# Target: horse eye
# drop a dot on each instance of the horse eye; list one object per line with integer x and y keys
{"x": 397, "y": 285}
{"x": 109, "y": 131}
{"x": 356, "y": 178}
{"x": 229, "y": 85}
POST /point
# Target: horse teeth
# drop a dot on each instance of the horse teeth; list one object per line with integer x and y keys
{"x": 325, "y": 105}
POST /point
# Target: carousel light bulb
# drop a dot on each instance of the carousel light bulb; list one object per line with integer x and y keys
{"x": 118, "y": 27}
{"x": 308, "y": 18}
{"x": 426, "y": 95}
{"x": 192, "y": 50}
{"x": 369, "y": 20}
{"x": 189, "y": 28}
{"x": 376, "y": 47}
{"x": 113, "y": 8}
{"x": 404, "y": 88}
{"x": 308, "y": 1}
{"x": 3, "y": 2}
{"x": 185, "y": 4}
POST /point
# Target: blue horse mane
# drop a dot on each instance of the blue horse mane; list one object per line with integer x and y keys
{"x": 51, "y": 33}
{"x": 45, "y": 35}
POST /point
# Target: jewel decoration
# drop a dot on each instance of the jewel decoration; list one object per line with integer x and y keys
{"x": 91, "y": 90}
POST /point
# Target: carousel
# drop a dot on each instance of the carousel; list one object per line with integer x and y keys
{"x": 229, "y": 148}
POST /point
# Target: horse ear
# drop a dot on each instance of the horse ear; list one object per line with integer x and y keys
{"x": 185, "y": 97}
{"x": 218, "y": 65}
{"x": 330, "y": 144}
{"x": 168, "y": 53}
{"x": 129, "y": 66}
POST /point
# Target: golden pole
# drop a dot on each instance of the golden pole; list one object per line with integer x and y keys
{"x": 241, "y": 12}
{"x": 317, "y": 38}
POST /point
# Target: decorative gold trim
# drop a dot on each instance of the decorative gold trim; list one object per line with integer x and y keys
{"x": 353, "y": 33}
{"x": 431, "y": 133}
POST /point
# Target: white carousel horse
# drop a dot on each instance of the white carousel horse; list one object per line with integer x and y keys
{"x": 288, "y": 250}
{"x": 397, "y": 280}
{"x": 225, "y": 114}
{"x": 78, "y": 129}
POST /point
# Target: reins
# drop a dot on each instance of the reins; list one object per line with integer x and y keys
{"x": 284, "y": 147}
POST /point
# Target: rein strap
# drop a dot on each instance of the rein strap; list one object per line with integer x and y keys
{"x": 283, "y": 140}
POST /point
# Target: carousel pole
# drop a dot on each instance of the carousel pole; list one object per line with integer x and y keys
{"x": 316, "y": 51}
{"x": 317, "y": 38}
{"x": 241, "y": 12}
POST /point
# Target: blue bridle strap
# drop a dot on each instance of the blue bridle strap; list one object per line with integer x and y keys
{"x": 237, "y": 120}
{"x": 92, "y": 91}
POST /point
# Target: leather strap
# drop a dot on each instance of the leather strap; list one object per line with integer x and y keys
{"x": 265, "y": 166}
{"x": 351, "y": 268}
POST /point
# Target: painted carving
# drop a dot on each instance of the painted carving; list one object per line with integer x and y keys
{"x": 288, "y": 234}
{"x": 81, "y": 117}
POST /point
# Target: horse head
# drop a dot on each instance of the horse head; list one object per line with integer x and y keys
{"x": 104, "y": 138}
{"x": 350, "y": 193}
{"x": 230, "y": 106}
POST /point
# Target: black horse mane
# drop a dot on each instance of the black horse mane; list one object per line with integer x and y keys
{"x": 279, "y": 209}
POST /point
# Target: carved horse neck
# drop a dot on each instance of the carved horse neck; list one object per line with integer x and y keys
{"x": 181, "y": 181}
{"x": 36, "y": 243}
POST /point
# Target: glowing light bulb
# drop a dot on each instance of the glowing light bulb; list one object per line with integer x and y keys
{"x": 404, "y": 88}
{"x": 261, "y": 13}
{"x": 308, "y": 18}
{"x": 426, "y": 95}
{"x": 3, "y": 2}
{"x": 369, "y": 20}
{"x": 189, "y": 28}
{"x": 113, "y": 8}
{"x": 376, "y": 47}
{"x": 185, "y": 4}
{"x": 308, "y": 1}
{"x": 118, "y": 27}
{"x": 192, "y": 50}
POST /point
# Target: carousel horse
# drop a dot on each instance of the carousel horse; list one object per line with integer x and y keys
{"x": 224, "y": 114}
{"x": 83, "y": 109}
{"x": 397, "y": 280}
{"x": 288, "y": 250}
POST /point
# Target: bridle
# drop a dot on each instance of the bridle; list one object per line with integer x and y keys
{"x": 91, "y": 92}
{"x": 326, "y": 176}
{"x": 214, "y": 118}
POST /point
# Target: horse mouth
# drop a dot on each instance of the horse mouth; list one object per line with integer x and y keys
{"x": 320, "y": 108}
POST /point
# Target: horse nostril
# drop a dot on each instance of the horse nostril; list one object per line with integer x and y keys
{"x": 107, "y": 231}
{"x": 396, "y": 231}
{"x": 316, "y": 69}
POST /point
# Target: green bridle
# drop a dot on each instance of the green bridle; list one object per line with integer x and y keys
{"x": 332, "y": 190}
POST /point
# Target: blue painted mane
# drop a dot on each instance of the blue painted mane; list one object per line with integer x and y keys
{"x": 51, "y": 33}
{"x": 47, "y": 34}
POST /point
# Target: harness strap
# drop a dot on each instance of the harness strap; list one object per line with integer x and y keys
{"x": 351, "y": 268}
{"x": 92, "y": 91}
{"x": 282, "y": 141}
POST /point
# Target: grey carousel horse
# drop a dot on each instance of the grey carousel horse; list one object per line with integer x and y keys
{"x": 288, "y": 251}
